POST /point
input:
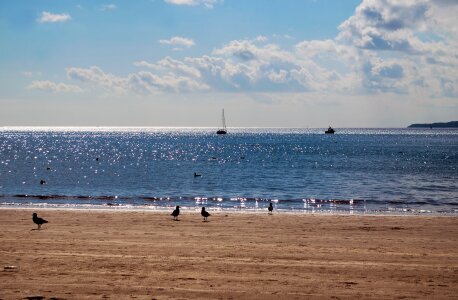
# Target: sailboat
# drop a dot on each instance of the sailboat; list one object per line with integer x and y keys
{"x": 222, "y": 130}
{"x": 330, "y": 130}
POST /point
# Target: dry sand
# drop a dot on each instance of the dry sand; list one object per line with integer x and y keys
{"x": 146, "y": 255}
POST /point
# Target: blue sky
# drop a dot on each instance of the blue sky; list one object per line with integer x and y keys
{"x": 302, "y": 63}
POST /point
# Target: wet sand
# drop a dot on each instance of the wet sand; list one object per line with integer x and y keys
{"x": 146, "y": 255}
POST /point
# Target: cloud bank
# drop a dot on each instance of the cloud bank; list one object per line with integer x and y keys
{"x": 49, "y": 86}
{"x": 386, "y": 46}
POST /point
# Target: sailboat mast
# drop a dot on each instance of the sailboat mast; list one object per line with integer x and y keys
{"x": 222, "y": 130}
{"x": 224, "y": 121}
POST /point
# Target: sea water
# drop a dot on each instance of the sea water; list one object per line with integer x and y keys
{"x": 299, "y": 170}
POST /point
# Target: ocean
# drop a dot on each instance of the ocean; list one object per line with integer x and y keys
{"x": 388, "y": 171}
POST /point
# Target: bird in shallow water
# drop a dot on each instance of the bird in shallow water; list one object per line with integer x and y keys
{"x": 197, "y": 175}
{"x": 175, "y": 213}
{"x": 270, "y": 208}
{"x": 38, "y": 221}
{"x": 204, "y": 213}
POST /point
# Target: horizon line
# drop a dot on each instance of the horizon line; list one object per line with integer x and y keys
{"x": 185, "y": 127}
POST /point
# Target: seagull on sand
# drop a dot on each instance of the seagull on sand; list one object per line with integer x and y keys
{"x": 175, "y": 213}
{"x": 204, "y": 213}
{"x": 270, "y": 208}
{"x": 38, "y": 221}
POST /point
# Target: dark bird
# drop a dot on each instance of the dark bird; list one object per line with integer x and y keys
{"x": 175, "y": 213}
{"x": 37, "y": 220}
{"x": 42, "y": 181}
{"x": 196, "y": 175}
{"x": 204, "y": 214}
{"x": 270, "y": 208}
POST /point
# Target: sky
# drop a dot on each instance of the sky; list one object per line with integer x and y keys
{"x": 268, "y": 63}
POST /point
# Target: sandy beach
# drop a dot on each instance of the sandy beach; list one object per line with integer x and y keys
{"x": 146, "y": 255}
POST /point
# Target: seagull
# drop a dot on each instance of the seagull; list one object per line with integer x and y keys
{"x": 270, "y": 208}
{"x": 175, "y": 213}
{"x": 37, "y": 220}
{"x": 204, "y": 214}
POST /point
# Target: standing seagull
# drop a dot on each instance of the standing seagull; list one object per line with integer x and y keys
{"x": 204, "y": 214}
{"x": 37, "y": 220}
{"x": 270, "y": 208}
{"x": 175, "y": 213}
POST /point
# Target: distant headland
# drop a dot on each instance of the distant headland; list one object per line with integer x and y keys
{"x": 452, "y": 124}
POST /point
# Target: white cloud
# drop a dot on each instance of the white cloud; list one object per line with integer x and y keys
{"x": 31, "y": 74}
{"x": 278, "y": 77}
{"x": 414, "y": 39}
{"x": 243, "y": 50}
{"x": 261, "y": 39}
{"x": 206, "y": 3}
{"x": 47, "y": 17}
{"x": 96, "y": 77}
{"x": 142, "y": 82}
{"x": 147, "y": 82}
{"x": 384, "y": 76}
{"x": 108, "y": 7}
{"x": 386, "y": 25}
{"x": 247, "y": 50}
{"x": 178, "y": 41}
{"x": 170, "y": 65}
{"x": 49, "y": 86}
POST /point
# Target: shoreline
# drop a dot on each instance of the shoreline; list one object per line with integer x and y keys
{"x": 260, "y": 211}
{"x": 87, "y": 254}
